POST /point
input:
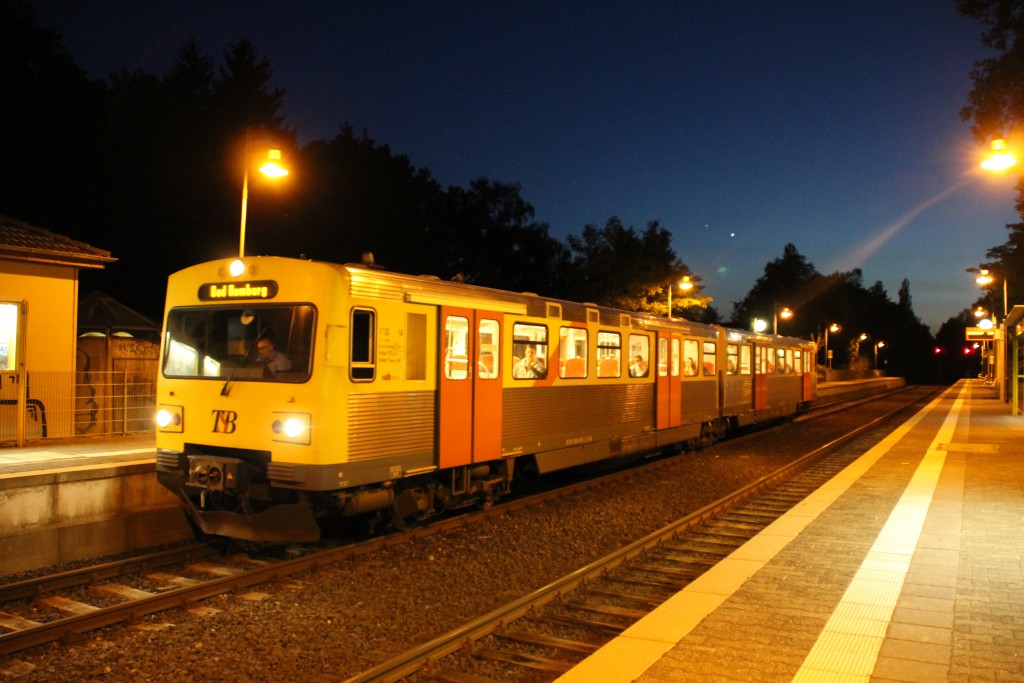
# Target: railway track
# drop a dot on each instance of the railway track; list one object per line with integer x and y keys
{"x": 544, "y": 634}
{"x": 62, "y": 607}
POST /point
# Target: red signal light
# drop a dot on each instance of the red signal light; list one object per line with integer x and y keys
{"x": 938, "y": 350}
{"x": 968, "y": 350}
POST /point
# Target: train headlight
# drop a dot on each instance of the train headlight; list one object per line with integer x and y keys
{"x": 170, "y": 418}
{"x": 291, "y": 427}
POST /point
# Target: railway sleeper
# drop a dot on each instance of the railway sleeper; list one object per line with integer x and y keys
{"x": 579, "y": 622}
{"x": 523, "y": 659}
{"x": 607, "y": 610}
{"x": 544, "y": 640}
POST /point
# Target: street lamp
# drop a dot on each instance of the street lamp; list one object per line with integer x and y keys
{"x": 685, "y": 285}
{"x": 271, "y": 168}
{"x": 833, "y": 328}
{"x": 760, "y": 325}
{"x": 878, "y": 345}
{"x": 784, "y": 313}
{"x": 1001, "y": 158}
{"x": 986, "y": 278}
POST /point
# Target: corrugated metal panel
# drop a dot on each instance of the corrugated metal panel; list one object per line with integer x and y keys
{"x": 382, "y": 425}
{"x": 374, "y": 286}
{"x": 571, "y": 410}
{"x": 739, "y": 390}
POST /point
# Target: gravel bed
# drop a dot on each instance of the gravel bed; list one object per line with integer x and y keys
{"x": 330, "y": 624}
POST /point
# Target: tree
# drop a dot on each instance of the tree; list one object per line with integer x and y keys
{"x": 616, "y": 266}
{"x": 490, "y": 236}
{"x": 786, "y": 283}
{"x": 996, "y": 109}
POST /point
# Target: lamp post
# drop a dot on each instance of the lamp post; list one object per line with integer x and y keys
{"x": 833, "y": 328}
{"x": 685, "y": 285}
{"x": 271, "y": 168}
{"x": 784, "y": 313}
{"x": 984, "y": 279}
{"x": 878, "y": 345}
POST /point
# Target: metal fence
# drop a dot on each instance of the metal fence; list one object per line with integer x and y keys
{"x": 70, "y": 404}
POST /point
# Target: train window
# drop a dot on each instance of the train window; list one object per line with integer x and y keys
{"x": 663, "y": 357}
{"x": 364, "y": 337}
{"x": 456, "y": 347}
{"x": 529, "y": 351}
{"x": 780, "y": 361}
{"x": 572, "y": 350}
{"x": 415, "y": 346}
{"x": 710, "y": 359}
{"x": 691, "y": 359}
{"x": 639, "y": 355}
{"x": 732, "y": 359}
{"x": 231, "y": 342}
{"x": 769, "y": 356}
{"x": 488, "y": 336}
{"x": 675, "y": 356}
{"x": 798, "y": 365}
{"x": 609, "y": 354}
{"x": 789, "y": 360}
{"x": 744, "y": 360}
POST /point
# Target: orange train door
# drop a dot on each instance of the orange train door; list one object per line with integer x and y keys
{"x": 809, "y": 374}
{"x": 469, "y": 396}
{"x": 669, "y": 389}
{"x": 760, "y": 377}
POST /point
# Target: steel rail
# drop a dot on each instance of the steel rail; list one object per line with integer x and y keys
{"x": 411, "y": 661}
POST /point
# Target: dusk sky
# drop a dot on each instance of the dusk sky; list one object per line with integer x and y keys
{"x": 739, "y": 126}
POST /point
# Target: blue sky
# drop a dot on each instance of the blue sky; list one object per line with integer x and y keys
{"x": 740, "y": 126}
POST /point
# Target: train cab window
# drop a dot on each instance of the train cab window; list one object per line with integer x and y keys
{"x": 663, "y": 357}
{"x": 488, "y": 335}
{"x": 456, "y": 348}
{"x": 266, "y": 343}
{"x": 572, "y": 352}
{"x": 363, "y": 344}
{"x": 691, "y": 359}
{"x": 529, "y": 351}
{"x": 609, "y": 354}
{"x": 732, "y": 359}
{"x": 710, "y": 364}
{"x": 639, "y": 355}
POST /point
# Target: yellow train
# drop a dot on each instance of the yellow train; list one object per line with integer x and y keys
{"x": 296, "y": 390}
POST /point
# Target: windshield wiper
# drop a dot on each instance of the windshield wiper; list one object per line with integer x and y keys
{"x": 245, "y": 359}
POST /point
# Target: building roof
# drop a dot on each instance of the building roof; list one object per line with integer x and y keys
{"x": 99, "y": 312}
{"x": 20, "y": 241}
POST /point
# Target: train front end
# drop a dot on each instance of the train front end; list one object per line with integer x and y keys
{"x": 237, "y": 395}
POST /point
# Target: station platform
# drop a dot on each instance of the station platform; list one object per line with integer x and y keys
{"x": 907, "y": 566}
{"x": 45, "y": 454}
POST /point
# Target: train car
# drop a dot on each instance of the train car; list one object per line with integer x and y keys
{"x": 292, "y": 391}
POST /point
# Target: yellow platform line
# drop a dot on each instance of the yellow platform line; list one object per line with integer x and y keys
{"x": 847, "y": 648}
{"x": 640, "y": 646}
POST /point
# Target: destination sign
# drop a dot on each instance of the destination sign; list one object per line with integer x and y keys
{"x": 236, "y": 291}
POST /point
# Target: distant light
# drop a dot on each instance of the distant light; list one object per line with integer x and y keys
{"x": 237, "y": 267}
{"x": 985, "y": 324}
